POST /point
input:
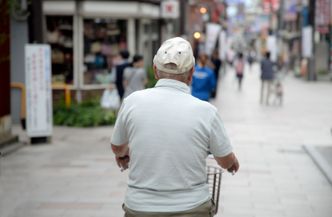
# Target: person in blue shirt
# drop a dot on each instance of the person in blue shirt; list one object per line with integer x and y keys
{"x": 204, "y": 80}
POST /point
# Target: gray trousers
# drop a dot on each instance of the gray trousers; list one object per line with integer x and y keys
{"x": 207, "y": 209}
{"x": 266, "y": 90}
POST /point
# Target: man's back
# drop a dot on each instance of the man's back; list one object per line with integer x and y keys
{"x": 169, "y": 133}
{"x": 163, "y": 135}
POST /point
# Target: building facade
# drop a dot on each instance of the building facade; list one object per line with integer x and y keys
{"x": 86, "y": 37}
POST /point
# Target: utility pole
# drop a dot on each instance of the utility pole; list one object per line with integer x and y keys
{"x": 312, "y": 63}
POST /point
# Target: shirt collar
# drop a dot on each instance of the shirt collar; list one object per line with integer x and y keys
{"x": 173, "y": 84}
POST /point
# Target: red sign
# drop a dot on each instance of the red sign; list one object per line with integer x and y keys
{"x": 170, "y": 9}
{"x": 269, "y": 5}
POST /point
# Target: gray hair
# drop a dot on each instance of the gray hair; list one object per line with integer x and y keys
{"x": 180, "y": 77}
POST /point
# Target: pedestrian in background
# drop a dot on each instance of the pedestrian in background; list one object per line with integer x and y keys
{"x": 267, "y": 74}
{"x": 239, "y": 69}
{"x": 251, "y": 57}
{"x": 119, "y": 70}
{"x": 217, "y": 65}
{"x": 156, "y": 129}
{"x": 135, "y": 77}
{"x": 230, "y": 56}
{"x": 204, "y": 80}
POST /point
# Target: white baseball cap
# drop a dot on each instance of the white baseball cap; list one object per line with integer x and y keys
{"x": 177, "y": 51}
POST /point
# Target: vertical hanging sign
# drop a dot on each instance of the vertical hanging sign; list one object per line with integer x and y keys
{"x": 38, "y": 90}
{"x": 322, "y": 16}
{"x": 212, "y": 33}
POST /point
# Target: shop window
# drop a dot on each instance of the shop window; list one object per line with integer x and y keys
{"x": 103, "y": 40}
{"x": 60, "y": 37}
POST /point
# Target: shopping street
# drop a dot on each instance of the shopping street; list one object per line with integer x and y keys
{"x": 76, "y": 175}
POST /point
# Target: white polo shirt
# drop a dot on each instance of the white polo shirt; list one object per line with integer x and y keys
{"x": 169, "y": 133}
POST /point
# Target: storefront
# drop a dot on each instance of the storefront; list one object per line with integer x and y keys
{"x": 86, "y": 37}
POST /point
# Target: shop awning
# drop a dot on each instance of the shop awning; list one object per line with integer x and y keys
{"x": 116, "y": 9}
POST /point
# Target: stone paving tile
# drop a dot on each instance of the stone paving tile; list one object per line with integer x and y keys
{"x": 324, "y": 210}
{"x": 78, "y": 213}
{"x": 299, "y": 200}
{"x": 268, "y": 212}
{"x": 37, "y": 213}
{"x": 298, "y": 210}
{"x": 71, "y": 205}
{"x": 236, "y": 213}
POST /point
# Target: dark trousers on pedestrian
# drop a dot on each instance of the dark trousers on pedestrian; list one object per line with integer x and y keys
{"x": 265, "y": 91}
{"x": 239, "y": 79}
{"x": 207, "y": 209}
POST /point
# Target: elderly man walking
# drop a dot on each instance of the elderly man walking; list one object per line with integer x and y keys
{"x": 164, "y": 135}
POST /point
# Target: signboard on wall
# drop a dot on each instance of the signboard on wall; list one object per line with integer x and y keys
{"x": 270, "y": 5}
{"x": 38, "y": 90}
{"x": 323, "y": 16}
{"x": 170, "y": 9}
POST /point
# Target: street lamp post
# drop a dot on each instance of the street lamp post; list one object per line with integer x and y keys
{"x": 183, "y": 14}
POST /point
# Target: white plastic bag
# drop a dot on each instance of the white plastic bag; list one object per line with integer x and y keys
{"x": 110, "y": 99}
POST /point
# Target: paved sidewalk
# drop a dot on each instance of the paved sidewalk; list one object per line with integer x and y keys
{"x": 277, "y": 177}
{"x": 326, "y": 153}
{"x": 77, "y": 175}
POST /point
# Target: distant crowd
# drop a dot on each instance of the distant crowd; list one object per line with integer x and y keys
{"x": 130, "y": 76}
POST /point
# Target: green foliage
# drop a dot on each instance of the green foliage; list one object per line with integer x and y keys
{"x": 85, "y": 114}
{"x": 322, "y": 72}
{"x": 151, "y": 80}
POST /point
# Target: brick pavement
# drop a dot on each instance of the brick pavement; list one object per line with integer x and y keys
{"x": 77, "y": 175}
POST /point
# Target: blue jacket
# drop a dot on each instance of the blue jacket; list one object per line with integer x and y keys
{"x": 203, "y": 82}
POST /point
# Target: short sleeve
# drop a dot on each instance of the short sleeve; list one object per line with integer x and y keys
{"x": 220, "y": 145}
{"x": 119, "y": 136}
